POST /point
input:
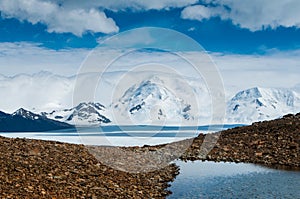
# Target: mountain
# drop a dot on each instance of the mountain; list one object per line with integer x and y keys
{"x": 26, "y": 121}
{"x": 257, "y": 104}
{"x": 151, "y": 102}
{"x": 148, "y": 98}
{"x": 84, "y": 114}
{"x": 3, "y": 115}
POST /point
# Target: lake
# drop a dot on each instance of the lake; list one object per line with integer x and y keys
{"x": 122, "y": 135}
{"x": 230, "y": 180}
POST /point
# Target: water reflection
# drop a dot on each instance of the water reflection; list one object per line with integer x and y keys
{"x": 229, "y": 180}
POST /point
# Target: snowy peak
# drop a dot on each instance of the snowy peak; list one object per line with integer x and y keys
{"x": 88, "y": 108}
{"x": 151, "y": 102}
{"x": 266, "y": 95}
{"x": 26, "y": 114}
{"x": 247, "y": 94}
{"x": 258, "y": 104}
{"x": 84, "y": 114}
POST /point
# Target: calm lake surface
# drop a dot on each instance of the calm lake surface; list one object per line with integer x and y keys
{"x": 230, "y": 180}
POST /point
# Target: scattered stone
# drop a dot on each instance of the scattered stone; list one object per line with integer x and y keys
{"x": 273, "y": 143}
{"x": 48, "y": 169}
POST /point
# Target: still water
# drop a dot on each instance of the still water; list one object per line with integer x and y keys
{"x": 230, "y": 180}
{"x": 121, "y": 135}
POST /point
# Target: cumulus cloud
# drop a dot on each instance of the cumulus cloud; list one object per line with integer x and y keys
{"x": 251, "y": 14}
{"x": 117, "y": 5}
{"x": 200, "y": 12}
{"x": 58, "y": 18}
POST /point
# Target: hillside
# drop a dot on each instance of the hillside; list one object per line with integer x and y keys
{"x": 273, "y": 143}
{"x": 26, "y": 121}
{"x": 47, "y": 169}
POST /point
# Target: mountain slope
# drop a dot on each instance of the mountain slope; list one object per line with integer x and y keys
{"x": 85, "y": 114}
{"x": 257, "y": 104}
{"x": 25, "y": 121}
{"x": 151, "y": 102}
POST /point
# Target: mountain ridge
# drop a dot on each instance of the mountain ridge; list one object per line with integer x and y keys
{"x": 84, "y": 114}
{"x": 257, "y": 104}
{"x": 150, "y": 102}
{"x": 49, "y": 92}
{"x": 26, "y": 121}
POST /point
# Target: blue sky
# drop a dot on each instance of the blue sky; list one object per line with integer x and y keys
{"x": 250, "y": 35}
{"x": 251, "y": 42}
{"x": 21, "y": 22}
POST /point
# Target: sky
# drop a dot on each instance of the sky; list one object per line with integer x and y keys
{"x": 253, "y": 40}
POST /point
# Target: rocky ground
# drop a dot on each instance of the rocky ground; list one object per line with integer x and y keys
{"x": 45, "y": 169}
{"x": 273, "y": 143}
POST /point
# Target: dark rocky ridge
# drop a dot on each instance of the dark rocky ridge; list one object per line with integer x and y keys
{"x": 272, "y": 143}
{"x": 26, "y": 121}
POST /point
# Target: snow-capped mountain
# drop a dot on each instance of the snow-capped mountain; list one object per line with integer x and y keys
{"x": 23, "y": 120}
{"x": 151, "y": 102}
{"x": 26, "y": 114}
{"x": 257, "y": 104}
{"x": 147, "y": 98}
{"x": 84, "y": 114}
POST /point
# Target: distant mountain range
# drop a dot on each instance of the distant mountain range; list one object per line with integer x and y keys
{"x": 84, "y": 114}
{"x": 258, "y": 104}
{"x": 152, "y": 103}
{"x": 26, "y": 121}
{"x": 163, "y": 100}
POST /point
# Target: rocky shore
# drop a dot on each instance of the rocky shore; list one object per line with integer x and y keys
{"x": 47, "y": 169}
{"x": 273, "y": 143}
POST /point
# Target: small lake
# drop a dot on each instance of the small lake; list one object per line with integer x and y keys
{"x": 230, "y": 180}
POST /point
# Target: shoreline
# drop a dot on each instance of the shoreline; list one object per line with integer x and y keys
{"x": 274, "y": 143}
{"x": 40, "y": 169}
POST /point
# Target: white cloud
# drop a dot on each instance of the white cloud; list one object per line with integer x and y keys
{"x": 197, "y": 12}
{"x": 251, "y": 14}
{"x": 274, "y": 69}
{"x": 200, "y": 12}
{"x": 16, "y": 58}
{"x": 57, "y": 18}
{"x": 117, "y": 5}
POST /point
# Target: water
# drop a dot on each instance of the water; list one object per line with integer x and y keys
{"x": 121, "y": 135}
{"x": 229, "y": 180}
